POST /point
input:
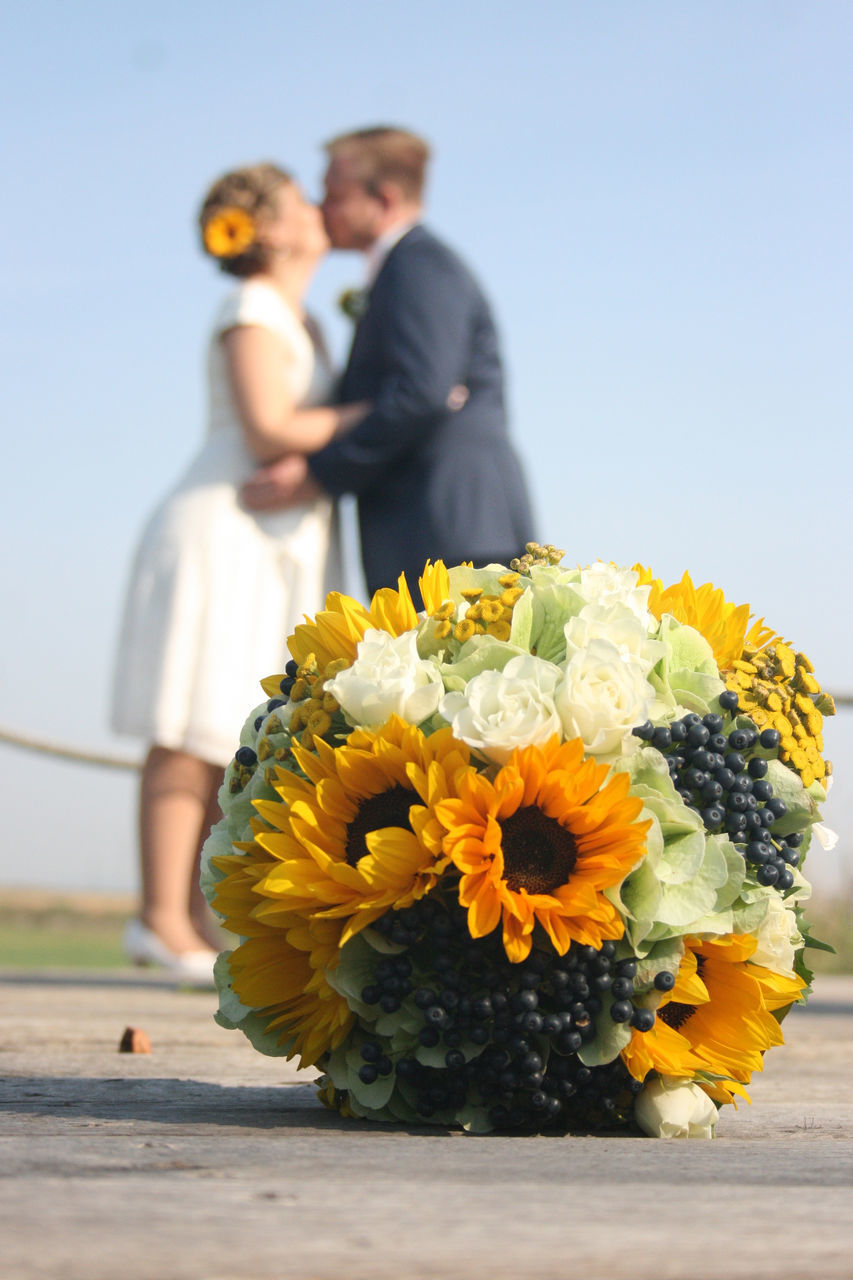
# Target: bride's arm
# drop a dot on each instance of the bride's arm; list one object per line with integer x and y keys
{"x": 271, "y": 422}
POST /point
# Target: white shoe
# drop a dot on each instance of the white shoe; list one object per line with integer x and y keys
{"x": 144, "y": 947}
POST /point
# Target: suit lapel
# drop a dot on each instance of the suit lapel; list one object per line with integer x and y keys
{"x": 362, "y": 338}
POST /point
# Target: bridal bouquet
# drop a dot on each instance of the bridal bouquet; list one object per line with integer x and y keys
{"x": 528, "y": 859}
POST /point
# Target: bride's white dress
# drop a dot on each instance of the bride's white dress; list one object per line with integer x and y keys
{"x": 215, "y": 590}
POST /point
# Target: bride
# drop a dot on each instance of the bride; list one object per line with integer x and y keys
{"x": 215, "y": 589}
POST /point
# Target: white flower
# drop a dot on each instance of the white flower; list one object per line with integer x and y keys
{"x": 607, "y": 584}
{"x": 387, "y": 678}
{"x": 673, "y": 1108}
{"x": 501, "y": 710}
{"x": 602, "y": 697}
{"x": 778, "y": 938}
{"x": 825, "y": 836}
{"x": 621, "y": 626}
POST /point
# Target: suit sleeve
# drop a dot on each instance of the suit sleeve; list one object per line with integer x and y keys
{"x": 424, "y": 321}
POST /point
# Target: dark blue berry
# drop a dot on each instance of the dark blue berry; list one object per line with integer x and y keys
{"x": 643, "y": 1019}
{"x": 368, "y": 1073}
{"x": 713, "y": 816}
{"x": 275, "y": 703}
{"x": 621, "y": 1011}
{"x": 758, "y": 852}
{"x": 622, "y": 988}
{"x": 259, "y": 720}
{"x": 246, "y": 756}
{"x": 678, "y": 731}
{"x": 738, "y": 738}
{"x": 735, "y": 761}
{"x": 770, "y": 738}
{"x": 662, "y": 738}
{"x": 767, "y": 875}
{"x": 697, "y": 735}
{"x": 777, "y": 807}
{"x": 645, "y": 731}
{"x": 664, "y": 981}
{"x": 525, "y": 1001}
{"x": 712, "y": 723}
{"x": 728, "y": 700}
{"x": 786, "y": 879}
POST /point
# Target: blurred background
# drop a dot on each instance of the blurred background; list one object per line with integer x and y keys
{"x": 657, "y": 198}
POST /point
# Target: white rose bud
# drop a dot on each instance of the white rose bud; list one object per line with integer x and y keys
{"x": 387, "y": 678}
{"x": 607, "y": 584}
{"x": 673, "y": 1108}
{"x": 501, "y": 710}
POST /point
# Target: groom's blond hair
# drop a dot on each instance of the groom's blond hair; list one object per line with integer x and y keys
{"x": 385, "y": 154}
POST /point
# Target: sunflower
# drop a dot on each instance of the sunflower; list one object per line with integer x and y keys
{"x": 229, "y": 232}
{"x": 278, "y": 971}
{"x": 724, "y": 625}
{"x": 434, "y": 584}
{"x": 718, "y": 1018}
{"x": 359, "y": 837}
{"x": 540, "y": 843}
{"x": 335, "y": 632}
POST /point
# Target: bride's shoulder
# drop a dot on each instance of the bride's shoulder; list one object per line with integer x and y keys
{"x": 253, "y": 302}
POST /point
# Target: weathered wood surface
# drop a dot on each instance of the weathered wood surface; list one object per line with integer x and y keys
{"x": 205, "y": 1159}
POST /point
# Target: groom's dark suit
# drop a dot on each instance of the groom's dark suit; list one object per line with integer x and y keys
{"x": 431, "y": 482}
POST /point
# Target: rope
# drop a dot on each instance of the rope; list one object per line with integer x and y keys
{"x": 106, "y": 761}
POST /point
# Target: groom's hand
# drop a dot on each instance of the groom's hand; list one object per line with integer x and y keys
{"x": 282, "y": 484}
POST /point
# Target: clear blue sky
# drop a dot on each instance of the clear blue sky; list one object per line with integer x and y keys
{"x": 657, "y": 197}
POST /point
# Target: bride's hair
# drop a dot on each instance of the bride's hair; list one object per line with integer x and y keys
{"x": 251, "y": 189}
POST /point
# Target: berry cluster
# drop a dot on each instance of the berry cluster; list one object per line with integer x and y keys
{"x": 504, "y": 1036}
{"x": 716, "y": 770}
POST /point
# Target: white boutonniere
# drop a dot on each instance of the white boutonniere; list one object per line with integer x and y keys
{"x": 354, "y": 303}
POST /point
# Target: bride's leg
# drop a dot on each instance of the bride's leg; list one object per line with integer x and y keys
{"x": 174, "y": 801}
{"x": 203, "y": 919}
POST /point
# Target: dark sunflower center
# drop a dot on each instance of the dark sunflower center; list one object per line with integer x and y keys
{"x": 676, "y": 1014}
{"x": 388, "y": 809}
{"x": 539, "y": 854}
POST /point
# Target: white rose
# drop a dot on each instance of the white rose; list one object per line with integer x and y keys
{"x": 673, "y": 1108}
{"x": 618, "y": 624}
{"x": 778, "y": 938}
{"x": 387, "y": 678}
{"x": 501, "y": 710}
{"x": 602, "y": 583}
{"x": 602, "y": 697}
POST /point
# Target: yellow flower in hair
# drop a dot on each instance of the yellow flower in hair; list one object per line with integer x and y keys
{"x": 229, "y": 232}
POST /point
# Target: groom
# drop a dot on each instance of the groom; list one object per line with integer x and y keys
{"x": 431, "y": 463}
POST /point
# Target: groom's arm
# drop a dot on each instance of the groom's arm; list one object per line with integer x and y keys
{"x": 423, "y": 324}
